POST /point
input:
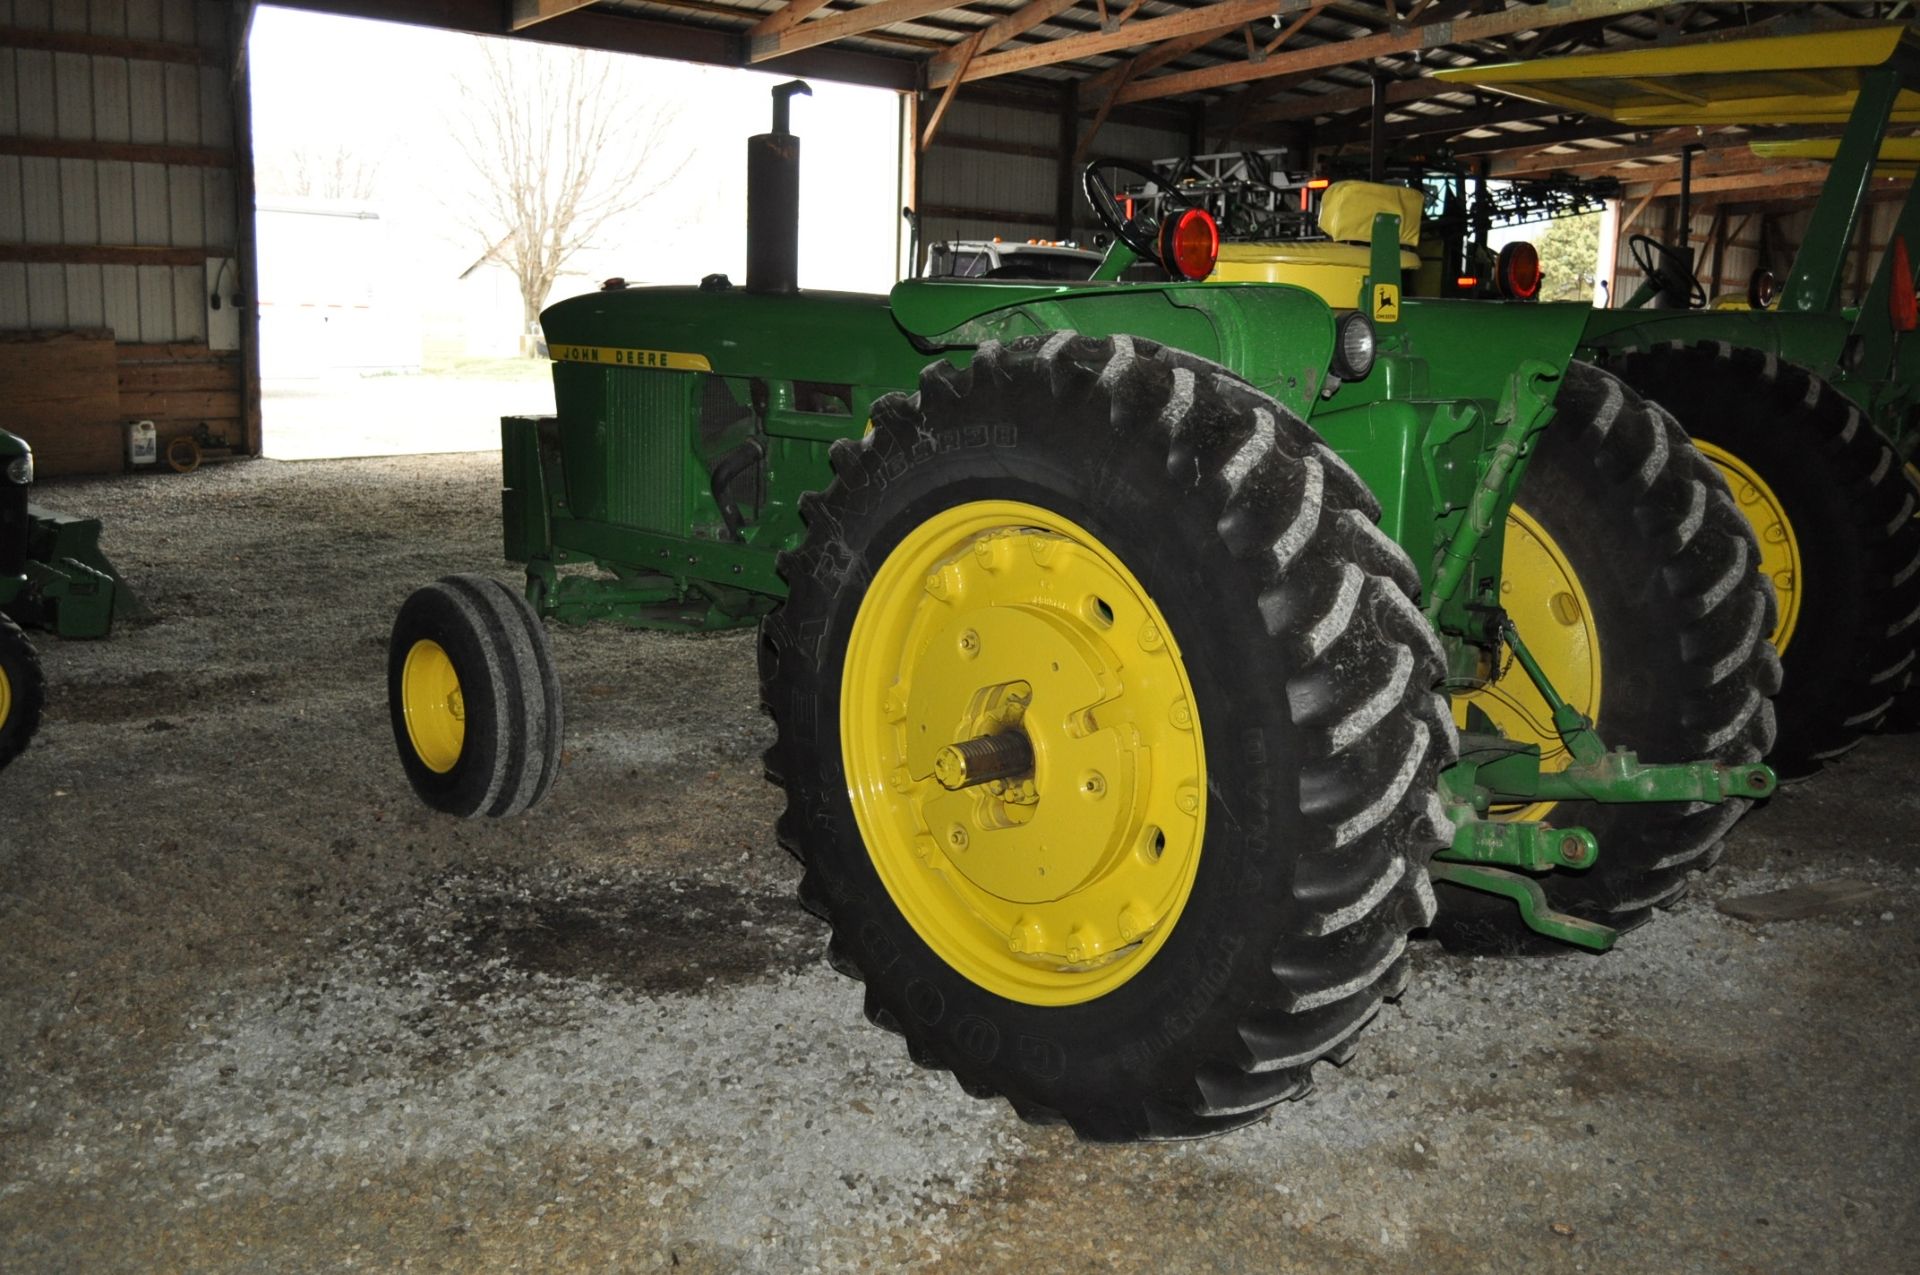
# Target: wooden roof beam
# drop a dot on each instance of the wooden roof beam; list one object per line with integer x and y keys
{"x": 784, "y": 18}
{"x": 1542, "y": 161}
{"x": 1158, "y": 56}
{"x": 1216, "y": 18}
{"x": 941, "y": 67}
{"x": 1167, "y": 51}
{"x": 1337, "y": 53}
{"x": 1770, "y": 180}
{"x": 528, "y": 13}
{"x": 851, "y": 22}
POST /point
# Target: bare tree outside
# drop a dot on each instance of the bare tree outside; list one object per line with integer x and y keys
{"x": 558, "y": 149}
{"x": 332, "y": 171}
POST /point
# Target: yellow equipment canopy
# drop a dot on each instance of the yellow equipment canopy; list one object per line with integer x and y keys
{"x": 1785, "y": 79}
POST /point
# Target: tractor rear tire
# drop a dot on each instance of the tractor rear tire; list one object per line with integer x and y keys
{"x": 1648, "y": 529}
{"x": 23, "y": 690}
{"x": 1904, "y": 716}
{"x": 1239, "y": 888}
{"x": 1838, "y": 498}
{"x": 474, "y": 698}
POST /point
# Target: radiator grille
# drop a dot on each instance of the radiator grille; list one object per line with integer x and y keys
{"x": 626, "y": 439}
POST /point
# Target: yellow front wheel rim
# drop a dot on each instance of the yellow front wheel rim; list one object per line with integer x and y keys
{"x": 434, "y": 707}
{"x": 1542, "y": 594}
{"x": 6, "y": 697}
{"x": 1779, "y": 548}
{"x": 1057, "y": 885}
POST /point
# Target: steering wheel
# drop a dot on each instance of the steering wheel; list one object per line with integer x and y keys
{"x": 1653, "y": 258}
{"x": 1141, "y": 231}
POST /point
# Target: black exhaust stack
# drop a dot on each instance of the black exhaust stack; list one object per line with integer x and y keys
{"x": 773, "y": 200}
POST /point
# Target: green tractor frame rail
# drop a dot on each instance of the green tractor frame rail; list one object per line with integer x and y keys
{"x": 1133, "y": 648}
{"x": 1807, "y": 404}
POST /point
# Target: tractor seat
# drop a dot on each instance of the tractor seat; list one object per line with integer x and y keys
{"x": 1332, "y": 266}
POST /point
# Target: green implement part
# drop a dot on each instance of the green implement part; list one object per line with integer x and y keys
{"x": 72, "y": 589}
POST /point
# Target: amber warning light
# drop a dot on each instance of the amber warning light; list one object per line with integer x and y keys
{"x": 1902, "y": 306}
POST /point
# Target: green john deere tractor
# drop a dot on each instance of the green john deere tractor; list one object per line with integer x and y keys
{"x": 53, "y": 576}
{"x": 1109, "y": 631}
{"x": 1808, "y": 406}
{"x": 22, "y": 686}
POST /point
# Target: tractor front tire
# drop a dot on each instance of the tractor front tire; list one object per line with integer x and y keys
{"x": 474, "y": 698}
{"x": 1652, "y": 586}
{"x": 1205, "y": 878}
{"x": 23, "y": 691}
{"x": 1834, "y": 515}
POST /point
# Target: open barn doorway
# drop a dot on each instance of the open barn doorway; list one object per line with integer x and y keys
{"x": 400, "y": 170}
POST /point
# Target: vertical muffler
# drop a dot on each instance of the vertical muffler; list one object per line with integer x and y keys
{"x": 773, "y": 200}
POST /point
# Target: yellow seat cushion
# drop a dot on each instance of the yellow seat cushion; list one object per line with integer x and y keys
{"x": 1347, "y": 211}
{"x": 1332, "y": 268}
{"x": 1332, "y": 271}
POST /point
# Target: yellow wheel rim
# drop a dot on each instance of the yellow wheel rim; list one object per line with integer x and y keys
{"x": 6, "y": 696}
{"x": 1542, "y": 594}
{"x": 1779, "y": 549}
{"x": 1054, "y": 886}
{"x": 435, "y": 711}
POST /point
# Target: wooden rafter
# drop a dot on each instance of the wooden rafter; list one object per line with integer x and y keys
{"x": 807, "y": 35}
{"x": 1017, "y": 23}
{"x": 968, "y": 48}
{"x": 1658, "y": 146}
{"x": 785, "y": 18}
{"x": 1158, "y": 56}
{"x": 1217, "y": 18}
{"x": 1769, "y": 179}
{"x": 1085, "y": 147}
{"x": 528, "y": 13}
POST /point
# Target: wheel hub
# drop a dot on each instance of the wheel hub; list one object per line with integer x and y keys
{"x": 1022, "y": 752}
{"x": 435, "y": 710}
{"x": 1541, "y": 592}
{"x": 1779, "y": 547}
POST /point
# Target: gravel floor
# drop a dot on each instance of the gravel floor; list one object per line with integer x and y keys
{"x": 260, "y": 1011}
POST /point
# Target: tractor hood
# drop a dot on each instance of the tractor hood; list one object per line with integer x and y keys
{"x": 844, "y": 337}
{"x": 932, "y": 309}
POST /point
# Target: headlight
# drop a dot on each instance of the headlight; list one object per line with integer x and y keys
{"x": 20, "y": 469}
{"x": 1353, "y": 347}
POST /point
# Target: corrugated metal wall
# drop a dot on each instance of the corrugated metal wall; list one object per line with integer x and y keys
{"x": 121, "y": 195}
{"x": 994, "y": 169}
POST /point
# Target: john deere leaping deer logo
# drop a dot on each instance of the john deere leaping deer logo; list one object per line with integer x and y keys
{"x": 1386, "y": 303}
